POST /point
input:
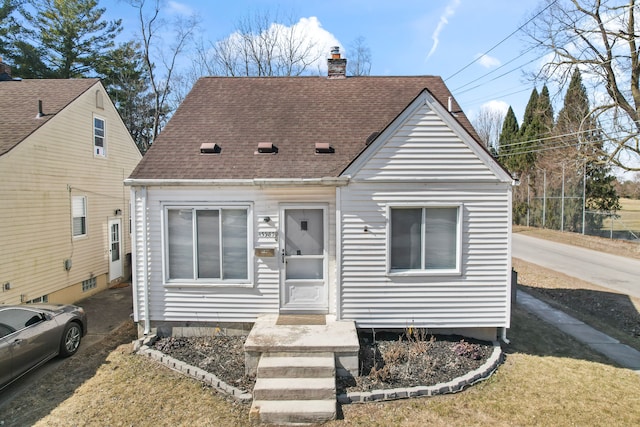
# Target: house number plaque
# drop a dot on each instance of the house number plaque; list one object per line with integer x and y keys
{"x": 268, "y": 234}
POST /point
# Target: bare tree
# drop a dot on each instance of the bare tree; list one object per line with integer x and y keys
{"x": 160, "y": 58}
{"x": 488, "y": 125}
{"x": 259, "y": 47}
{"x": 359, "y": 56}
{"x": 600, "y": 38}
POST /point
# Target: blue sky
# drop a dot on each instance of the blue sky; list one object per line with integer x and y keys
{"x": 406, "y": 37}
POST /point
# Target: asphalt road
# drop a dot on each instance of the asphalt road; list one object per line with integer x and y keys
{"x": 614, "y": 272}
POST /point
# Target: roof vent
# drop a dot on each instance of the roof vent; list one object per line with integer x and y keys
{"x": 209, "y": 148}
{"x": 267, "y": 148}
{"x": 324, "y": 148}
{"x": 372, "y": 137}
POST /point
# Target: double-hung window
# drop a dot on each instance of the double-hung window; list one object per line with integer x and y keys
{"x": 425, "y": 239}
{"x": 79, "y": 215}
{"x": 99, "y": 146}
{"x": 207, "y": 244}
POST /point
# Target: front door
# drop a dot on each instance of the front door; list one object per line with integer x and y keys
{"x": 303, "y": 251}
{"x": 115, "y": 249}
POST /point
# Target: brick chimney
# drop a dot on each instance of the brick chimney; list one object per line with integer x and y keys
{"x": 337, "y": 67}
{"x": 5, "y": 71}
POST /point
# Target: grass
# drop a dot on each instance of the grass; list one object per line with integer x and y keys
{"x": 548, "y": 378}
{"x": 629, "y": 217}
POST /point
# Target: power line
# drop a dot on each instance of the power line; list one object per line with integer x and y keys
{"x": 501, "y": 41}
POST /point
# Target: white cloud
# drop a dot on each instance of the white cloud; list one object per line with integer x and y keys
{"x": 488, "y": 61}
{"x": 449, "y": 11}
{"x": 178, "y": 8}
{"x": 495, "y": 105}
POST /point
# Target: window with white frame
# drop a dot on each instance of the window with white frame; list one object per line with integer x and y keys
{"x": 79, "y": 215}
{"x": 425, "y": 239}
{"x": 99, "y": 136}
{"x": 207, "y": 244}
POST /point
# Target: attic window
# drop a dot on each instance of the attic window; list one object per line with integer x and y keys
{"x": 324, "y": 148}
{"x": 209, "y": 148}
{"x": 267, "y": 148}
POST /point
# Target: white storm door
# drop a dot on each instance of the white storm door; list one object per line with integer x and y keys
{"x": 303, "y": 252}
{"x": 115, "y": 249}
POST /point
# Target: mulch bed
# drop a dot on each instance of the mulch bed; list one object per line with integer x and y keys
{"x": 387, "y": 360}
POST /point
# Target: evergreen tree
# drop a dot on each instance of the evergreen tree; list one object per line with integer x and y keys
{"x": 507, "y": 143}
{"x": 126, "y": 80}
{"x": 66, "y": 39}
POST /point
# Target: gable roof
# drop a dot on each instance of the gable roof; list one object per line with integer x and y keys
{"x": 19, "y": 116}
{"x": 292, "y": 113}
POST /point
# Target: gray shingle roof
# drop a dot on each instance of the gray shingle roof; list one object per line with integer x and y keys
{"x": 19, "y": 103}
{"x": 292, "y": 113}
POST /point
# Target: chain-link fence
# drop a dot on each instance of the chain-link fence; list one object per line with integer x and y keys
{"x": 557, "y": 201}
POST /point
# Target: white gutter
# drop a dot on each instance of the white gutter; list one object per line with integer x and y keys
{"x": 339, "y": 181}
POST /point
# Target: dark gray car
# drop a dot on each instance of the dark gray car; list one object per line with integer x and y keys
{"x": 30, "y": 335}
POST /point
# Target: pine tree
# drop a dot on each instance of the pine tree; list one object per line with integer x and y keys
{"x": 67, "y": 39}
{"x": 507, "y": 143}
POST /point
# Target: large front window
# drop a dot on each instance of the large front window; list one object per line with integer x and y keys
{"x": 207, "y": 244}
{"x": 425, "y": 239}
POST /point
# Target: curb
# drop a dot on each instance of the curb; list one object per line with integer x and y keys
{"x": 454, "y": 386}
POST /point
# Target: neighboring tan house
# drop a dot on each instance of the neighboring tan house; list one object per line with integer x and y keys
{"x": 367, "y": 198}
{"x": 64, "y": 219}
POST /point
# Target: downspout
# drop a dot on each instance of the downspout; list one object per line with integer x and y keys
{"x": 503, "y": 336}
{"x": 145, "y": 266}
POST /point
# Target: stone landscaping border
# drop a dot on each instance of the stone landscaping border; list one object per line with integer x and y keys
{"x": 191, "y": 371}
{"x": 454, "y": 386}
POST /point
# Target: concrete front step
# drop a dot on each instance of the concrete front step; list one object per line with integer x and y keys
{"x": 288, "y": 365}
{"x": 294, "y": 389}
{"x": 292, "y": 411}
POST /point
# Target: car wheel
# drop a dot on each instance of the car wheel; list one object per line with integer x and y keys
{"x": 70, "y": 339}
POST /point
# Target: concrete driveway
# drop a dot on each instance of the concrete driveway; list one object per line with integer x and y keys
{"x": 105, "y": 310}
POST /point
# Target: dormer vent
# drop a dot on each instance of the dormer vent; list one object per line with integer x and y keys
{"x": 324, "y": 148}
{"x": 209, "y": 148}
{"x": 267, "y": 148}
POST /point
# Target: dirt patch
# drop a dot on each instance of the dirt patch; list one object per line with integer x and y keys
{"x": 387, "y": 360}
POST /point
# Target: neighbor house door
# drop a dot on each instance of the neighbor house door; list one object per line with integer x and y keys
{"x": 115, "y": 249}
{"x": 303, "y": 254}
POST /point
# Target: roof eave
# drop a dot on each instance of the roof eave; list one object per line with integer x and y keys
{"x": 329, "y": 181}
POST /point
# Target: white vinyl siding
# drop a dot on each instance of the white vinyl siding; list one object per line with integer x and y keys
{"x": 79, "y": 215}
{"x": 478, "y": 296}
{"x": 424, "y": 159}
{"x": 196, "y": 302}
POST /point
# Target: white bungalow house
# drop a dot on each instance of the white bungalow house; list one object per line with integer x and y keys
{"x": 367, "y": 198}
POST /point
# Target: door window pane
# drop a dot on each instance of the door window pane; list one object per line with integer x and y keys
{"x": 304, "y": 229}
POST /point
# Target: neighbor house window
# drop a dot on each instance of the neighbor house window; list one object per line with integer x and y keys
{"x": 79, "y": 215}
{"x": 99, "y": 137}
{"x": 207, "y": 244}
{"x": 425, "y": 239}
{"x": 88, "y": 284}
